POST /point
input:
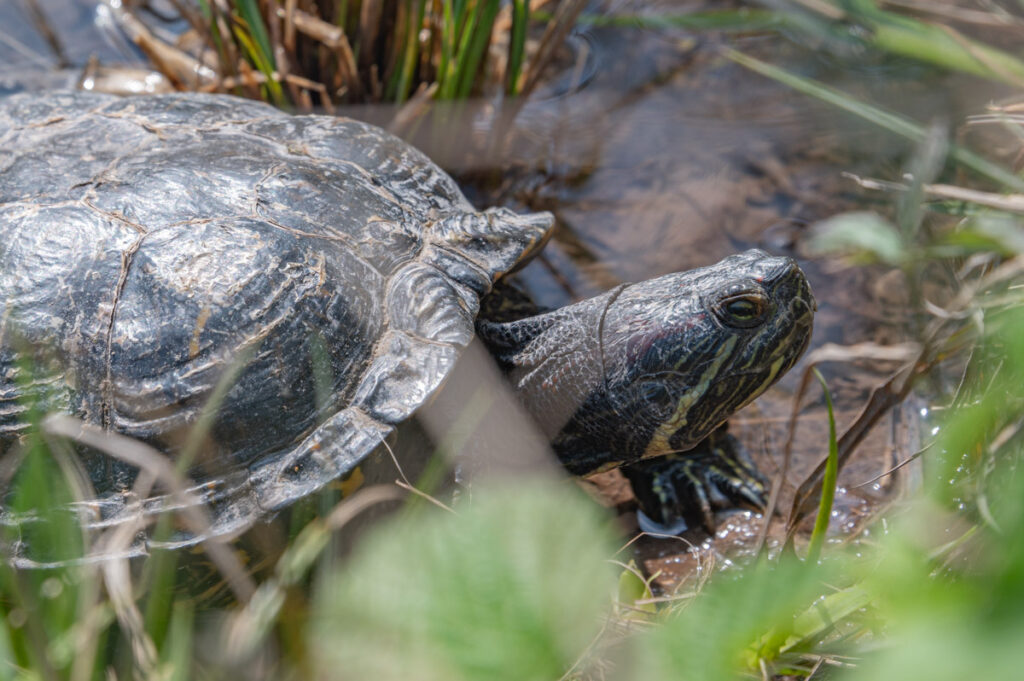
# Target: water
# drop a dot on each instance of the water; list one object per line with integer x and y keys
{"x": 78, "y": 26}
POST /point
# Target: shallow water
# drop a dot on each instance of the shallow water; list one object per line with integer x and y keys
{"x": 657, "y": 154}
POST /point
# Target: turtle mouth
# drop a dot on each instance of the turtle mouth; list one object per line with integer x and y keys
{"x": 791, "y": 333}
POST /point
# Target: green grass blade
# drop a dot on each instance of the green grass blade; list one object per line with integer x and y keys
{"x": 468, "y": 26}
{"x": 160, "y": 572}
{"x": 828, "y": 482}
{"x": 341, "y": 15}
{"x": 7, "y": 671}
{"x": 446, "y": 69}
{"x": 215, "y": 35}
{"x": 885, "y": 31}
{"x": 250, "y": 14}
{"x": 161, "y": 567}
{"x": 410, "y": 55}
{"x": 208, "y": 416}
{"x": 517, "y": 45}
{"x": 459, "y": 9}
{"x": 887, "y": 120}
{"x": 476, "y": 45}
{"x": 936, "y": 44}
{"x": 818, "y": 620}
{"x": 399, "y": 41}
{"x": 263, "y": 65}
{"x": 177, "y": 653}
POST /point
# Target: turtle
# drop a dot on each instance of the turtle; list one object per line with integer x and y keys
{"x": 149, "y": 246}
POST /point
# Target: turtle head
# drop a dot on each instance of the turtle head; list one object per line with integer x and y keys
{"x": 653, "y": 368}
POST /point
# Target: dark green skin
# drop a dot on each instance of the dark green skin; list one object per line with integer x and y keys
{"x": 688, "y": 349}
{"x": 652, "y": 369}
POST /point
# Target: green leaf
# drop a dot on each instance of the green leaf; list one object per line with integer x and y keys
{"x": 863, "y": 234}
{"x": 731, "y": 626}
{"x": 177, "y": 653}
{"x": 513, "y": 587}
{"x": 996, "y": 232}
{"x": 939, "y": 45}
{"x": 828, "y": 480}
{"x": 632, "y": 588}
{"x": 742, "y": 19}
{"x": 821, "y": 618}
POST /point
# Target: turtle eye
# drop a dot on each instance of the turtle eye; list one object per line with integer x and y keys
{"x": 742, "y": 310}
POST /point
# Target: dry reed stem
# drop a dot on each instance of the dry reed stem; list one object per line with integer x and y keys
{"x": 152, "y": 464}
{"x": 42, "y": 24}
{"x": 557, "y": 30}
{"x": 183, "y": 70}
{"x": 331, "y": 37}
{"x": 117, "y": 578}
{"x": 247, "y": 627}
{"x": 1011, "y": 203}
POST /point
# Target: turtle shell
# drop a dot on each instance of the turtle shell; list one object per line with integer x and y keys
{"x": 151, "y": 247}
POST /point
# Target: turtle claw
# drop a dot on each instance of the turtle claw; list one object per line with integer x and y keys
{"x": 717, "y": 474}
{"x": 655, "y": 528}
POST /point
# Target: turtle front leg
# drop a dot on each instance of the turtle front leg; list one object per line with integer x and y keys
{"x": 676, "y": 490}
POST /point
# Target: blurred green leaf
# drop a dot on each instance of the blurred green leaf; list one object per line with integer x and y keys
{"x": 950, "y": 588}
{"x": 7, "y": 660}
{"x": 820, "y": 619}
{"x": 996, "y": 232}
{"x": 867, "y": 235}
{"x": 512, "y": 587}
{"x": 632, "y": 588}
{"x": 731, "y": 625}
{"x": 176, "y": 655}
{"x": 941, "y": 45}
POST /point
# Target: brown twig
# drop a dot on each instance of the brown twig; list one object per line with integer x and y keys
{"x": 42, "y": 24}
{"x": 157, "y": 468}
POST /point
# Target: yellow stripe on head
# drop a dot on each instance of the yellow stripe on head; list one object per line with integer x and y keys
{"x": 659, "y": 443}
